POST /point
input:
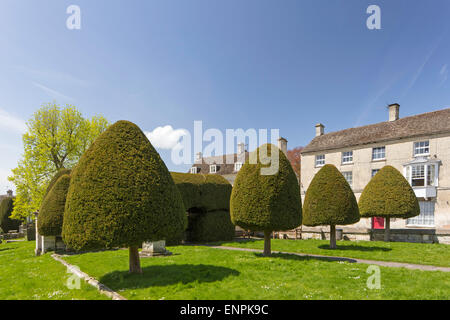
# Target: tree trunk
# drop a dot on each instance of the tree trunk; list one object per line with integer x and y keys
{"x": 332, "y": 236}
{"x": 387, "y": 230}
{"x": 267, "y": 250}
{"x": 135, "y": 263}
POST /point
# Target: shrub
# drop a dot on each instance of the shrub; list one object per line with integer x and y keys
{"x": 55, "y": 178}
{"x": 388, "y": 195}
{"x": 208, "y": 196}
{"x": 6, "y": 208}
{"x": 51, "y": 212}
{"x": 329, "y": 200}
{"x": 206, "y": 191}
{"x": 211, "y": 226}
{"x": 121, "y": 194}
{"x": 266, "y": 202}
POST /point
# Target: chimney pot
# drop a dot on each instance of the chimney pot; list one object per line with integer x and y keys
{"x": 394, "y": 111}
{"x": 282, "y": 145}
{"x": 320, "y": 129}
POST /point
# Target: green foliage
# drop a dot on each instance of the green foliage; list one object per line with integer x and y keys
{"x": 51, "y": 213}
{"x": 6, "y": 222}
{"x": 205, "y": 191}
{"x": 55, "y": 178}
{"x": 121, "y": 194}
{"x": 388, "y": 194}
{"x": 266, "y": 202}
{"x": 56, "y": 138}
{"x": 211, "y": 226}
{"x": 329, "y": 200}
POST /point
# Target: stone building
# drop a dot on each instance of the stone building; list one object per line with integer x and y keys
{"x": 227, "y": 165}
{"x": 418, "y": 146}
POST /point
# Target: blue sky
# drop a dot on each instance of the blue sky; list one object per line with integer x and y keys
{"x": 232, "y": 64}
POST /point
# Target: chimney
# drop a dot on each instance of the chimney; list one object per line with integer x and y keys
{"x": 282, "y": 145}
{"x": 320, "y": 129}
{"x": 241, "y": 148}
{"x": 198, "y": 157}
{"x": 9, "y": 193}
{"x": 394, "y": 111}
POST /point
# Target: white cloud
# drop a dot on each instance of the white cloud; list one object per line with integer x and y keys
{"x": 165, "y": 137}
{"x": 4, "y": 183}
{"x": 9, "y": 122}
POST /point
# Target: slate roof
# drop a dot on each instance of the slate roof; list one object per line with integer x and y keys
{"x": 225, "y": 163}
{"x": 429, "y": 123}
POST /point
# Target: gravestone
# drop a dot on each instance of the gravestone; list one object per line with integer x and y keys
{"x": 154, "y": 248}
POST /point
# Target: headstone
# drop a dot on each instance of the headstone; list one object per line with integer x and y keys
{"x": 154, "y": 248}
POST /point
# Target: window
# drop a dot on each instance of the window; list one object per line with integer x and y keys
{"x": 320, "y": 160}
{"x": 421, "y": 148}
{"x": 237, "y": 166}
{"x": 349, "y": 177}
{"x": 212, "y": 168}
{"x": 379, "y": 153}
{"x": 347, "y": 157}
{"x": 194, "y": 170}
{"x": 374, "y": 172}
{"x": 426, "y": 217}
{"x": 421, "y": 175}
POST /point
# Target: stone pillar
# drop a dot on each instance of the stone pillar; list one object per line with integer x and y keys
{"x": 38, "y": 250}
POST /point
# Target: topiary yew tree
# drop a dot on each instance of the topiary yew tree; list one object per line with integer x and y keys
{"x": 329, "y": 200}
{"x": 388, "y": 195}
{"x": 51, "y": 212}
{"x": 268, "y": 203}
{"x": 55, "y": 178}
{"x": 6, "y": 208}
{"x": 121, "y": 194}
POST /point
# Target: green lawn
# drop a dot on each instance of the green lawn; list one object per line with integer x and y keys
{"x": 208, "y": 273}
{"x": 26, "y": 277}
{"x": 418, "y": 253}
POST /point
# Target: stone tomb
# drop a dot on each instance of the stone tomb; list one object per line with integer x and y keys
{"x": 154, "y": 248}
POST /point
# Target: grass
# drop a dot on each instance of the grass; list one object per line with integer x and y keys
{"x": 26, "y": 277}
{"x": 416, "y": 253}
{"x": 207, "y": 273}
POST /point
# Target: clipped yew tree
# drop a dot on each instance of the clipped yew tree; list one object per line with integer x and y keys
{"x": 6, "y": 208}
{"x": 120, "y": 195}
{"x": 266, "y": 202}
{"x": 329, "y": 200}
{"x": 51, "y": 212}
{"x": 55, "y": 178}
{"x": 388, "y": 195}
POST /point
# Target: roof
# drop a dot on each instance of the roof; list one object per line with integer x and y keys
{"x": 225, "y": 163}
{"x": 429, "y": 123}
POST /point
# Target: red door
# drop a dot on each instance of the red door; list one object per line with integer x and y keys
{"x": 377, "y": 223}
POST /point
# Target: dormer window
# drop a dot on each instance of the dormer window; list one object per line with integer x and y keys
{"x": 421, "y": 148}
{"x": 237, "y": 166}
{"x": 213, "y": 168}
{"x": 194, "y": 170}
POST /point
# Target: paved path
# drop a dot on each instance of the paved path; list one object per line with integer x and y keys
{"x": 351, "y": 260}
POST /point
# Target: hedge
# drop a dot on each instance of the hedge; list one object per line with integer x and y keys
{"x": 51, "y": 212}
{"x": 388, "y": 194}
{"x": 266, "y": 202}
{"x": 6, "y": 208}
{"x": 206, "y": 191}
{"x": 121, "y": 194}
{"x": 211, "y": 226}
{"x": 329, "y": 200}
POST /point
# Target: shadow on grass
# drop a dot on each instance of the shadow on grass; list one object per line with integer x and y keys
{"x": 164, "y": 275}
{"x": 290, "y": 256}
{"x": 240, "y": 240}
{"x": 354, "y": 248}
{"x": 4, "y": 249}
